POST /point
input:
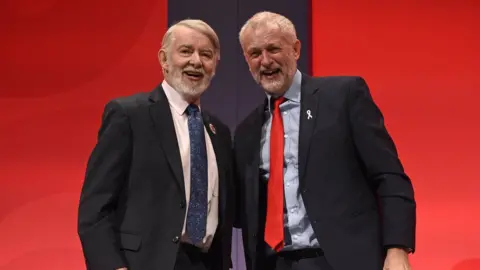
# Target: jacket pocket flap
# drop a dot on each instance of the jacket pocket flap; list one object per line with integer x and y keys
{"x": 130, "y": 241}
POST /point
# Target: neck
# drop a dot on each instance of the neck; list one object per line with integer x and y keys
{"x": 191, "y": 100}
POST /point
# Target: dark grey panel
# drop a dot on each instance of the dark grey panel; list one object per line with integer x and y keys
{"x": 221, "y": 15}
{"x": 233, "y": 93}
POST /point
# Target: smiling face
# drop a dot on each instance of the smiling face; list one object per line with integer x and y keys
{"x": 271, "y": 56}
{"x": 189, "y": 62}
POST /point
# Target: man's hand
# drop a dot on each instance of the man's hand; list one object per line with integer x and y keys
{"x": 397, "y": 259}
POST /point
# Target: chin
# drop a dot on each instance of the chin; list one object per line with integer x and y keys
{"x": 191, "y": 97}
{"x": 273, "y": 87}
{"x": 193, "y": 93}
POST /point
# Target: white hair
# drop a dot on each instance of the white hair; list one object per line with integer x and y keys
{"x": 272, "y": 21}
{"x": 197, "y": 25}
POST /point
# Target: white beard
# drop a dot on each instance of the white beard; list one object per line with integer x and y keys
{"x": 274, "y": 86}
{"x": 188, "y": 89}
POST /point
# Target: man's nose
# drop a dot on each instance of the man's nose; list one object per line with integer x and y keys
{"x": 195, "y": 60}
{"x": 266, "y": 59}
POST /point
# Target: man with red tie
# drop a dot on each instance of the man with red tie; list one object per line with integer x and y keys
{"x": 320, "y": 185}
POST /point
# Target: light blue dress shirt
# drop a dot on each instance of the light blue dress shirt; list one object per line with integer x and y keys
{"x": 298, "y": 229}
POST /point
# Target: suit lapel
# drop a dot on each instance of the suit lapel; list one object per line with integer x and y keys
{"x": 308, "y": 115}
{"x": 162, "y": 119}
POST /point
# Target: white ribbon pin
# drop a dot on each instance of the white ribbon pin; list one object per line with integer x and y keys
{"x": 309, "y": 114}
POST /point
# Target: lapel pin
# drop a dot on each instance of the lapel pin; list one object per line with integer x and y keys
{"x": 212, "y": 128}
{"x": 309, "y": 114}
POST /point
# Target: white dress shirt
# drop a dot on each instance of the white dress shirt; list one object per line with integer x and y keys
{"x": 178, "y": 108}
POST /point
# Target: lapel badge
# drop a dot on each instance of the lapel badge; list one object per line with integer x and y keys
{"x": 212, "y": 128}
{"x": 309, "y": 114}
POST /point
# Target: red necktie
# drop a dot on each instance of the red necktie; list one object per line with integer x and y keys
{"x": 274, "y": 223}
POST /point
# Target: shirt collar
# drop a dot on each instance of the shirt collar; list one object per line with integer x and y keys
{"x": 175, "y": 99}
{"x": 294, "y": 91}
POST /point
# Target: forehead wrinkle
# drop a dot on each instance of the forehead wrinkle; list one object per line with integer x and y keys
{"x": 265, "y": 42}
{"x": 190, "y": 32}
{"x": 192, "y": 46}
{"x": 267, "y": 34}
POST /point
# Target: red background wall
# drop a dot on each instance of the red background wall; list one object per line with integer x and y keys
{"x": 60, "y": 62}
{"x": 421, "y": 60}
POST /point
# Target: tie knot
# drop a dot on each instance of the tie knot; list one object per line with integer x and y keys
{"x": 192, "y": 109}
{"x": 278, "y": 101}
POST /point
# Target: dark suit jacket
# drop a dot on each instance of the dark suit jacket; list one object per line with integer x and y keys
{"x": 132, "y": 205}
{"x": 357, "y": 196}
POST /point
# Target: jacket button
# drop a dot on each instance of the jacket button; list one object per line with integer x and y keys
{"x": 175, "y": 239}
{"x": 182, "y": 204}
{"x": 254, "y": 235}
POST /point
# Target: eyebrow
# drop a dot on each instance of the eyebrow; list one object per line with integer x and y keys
{"x": 268, "y": 46}
{"x": 190, "y": 47}
{"x": 253, "y": 48}
{"x": 186, "y": 46}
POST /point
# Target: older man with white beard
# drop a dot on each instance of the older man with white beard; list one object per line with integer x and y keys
{"x": 158, "y": 182}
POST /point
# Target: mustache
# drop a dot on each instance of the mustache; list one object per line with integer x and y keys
{"x": 269, "y": 69}
{"x": 196, "y": 70}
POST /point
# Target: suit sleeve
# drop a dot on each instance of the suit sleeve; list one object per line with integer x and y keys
{"x": 107, "y": 170}
{"x": 383, "y": 168}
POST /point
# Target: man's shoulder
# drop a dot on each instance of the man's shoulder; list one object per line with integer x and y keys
{"x": 335, "y": 81}
{"x": 131, "y": 101}
{"x": 335, "y": 87}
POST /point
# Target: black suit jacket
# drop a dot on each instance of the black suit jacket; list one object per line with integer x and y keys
{"x": 132, "y": 205}
{"x": 357, "y": 196}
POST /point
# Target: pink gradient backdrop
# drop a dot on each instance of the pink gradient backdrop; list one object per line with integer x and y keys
{"x": 61, "y": 61}
{"x": 421, "y": 59}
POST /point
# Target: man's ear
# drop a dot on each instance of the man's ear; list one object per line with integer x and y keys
{"x": 162, "y": 58}
{"x": 245, "y": 56}
{"x": 296, "y": 48}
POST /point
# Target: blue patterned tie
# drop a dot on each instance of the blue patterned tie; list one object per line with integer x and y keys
{"x": 197, "y": 207}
